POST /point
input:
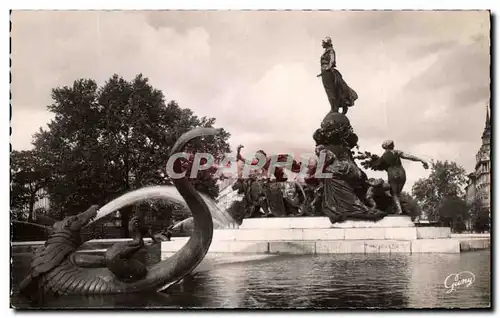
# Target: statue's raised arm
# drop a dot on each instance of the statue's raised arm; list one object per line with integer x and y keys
{"x": 407, "y": 156}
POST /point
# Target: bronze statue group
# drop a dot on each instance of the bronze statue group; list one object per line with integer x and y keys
{"x": 349, "y": 193}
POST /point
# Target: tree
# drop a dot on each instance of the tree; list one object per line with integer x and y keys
{"x": 479, "y": 215}
{"x": 105, "y": 141}
{"x": 70, "y": 147}
{"x": 446, "y": 180}
{"x": 441, "y": 195}
{"x": 28, "y": 176}
{"x": 482, "y": 221}
{"x": 453, "y": 212}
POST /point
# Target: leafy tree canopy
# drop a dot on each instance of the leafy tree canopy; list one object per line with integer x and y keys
{"x": 105, "y": 141}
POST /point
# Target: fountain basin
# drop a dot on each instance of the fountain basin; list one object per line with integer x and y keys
{"x": 316, "y": 235}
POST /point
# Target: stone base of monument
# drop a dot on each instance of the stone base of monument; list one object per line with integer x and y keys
{"x": 316, "y": 235}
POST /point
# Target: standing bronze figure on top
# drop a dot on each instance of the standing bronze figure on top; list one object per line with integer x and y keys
{"x": 339, "y": 94}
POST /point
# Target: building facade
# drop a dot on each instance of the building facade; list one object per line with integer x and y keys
{"x": 479, "y": 184}
{"x": 43, "y": 201}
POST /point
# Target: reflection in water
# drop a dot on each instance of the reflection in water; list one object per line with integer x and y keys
{"x": 350, "y": 280}
{"x": 319, "y": 282}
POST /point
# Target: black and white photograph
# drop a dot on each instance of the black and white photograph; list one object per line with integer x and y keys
{"x": 250, "y": 159}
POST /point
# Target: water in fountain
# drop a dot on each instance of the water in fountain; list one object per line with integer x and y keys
{"x": 189, "y": 224}
{"x": 224, "y": 218}
{"x": 169, "y": 193}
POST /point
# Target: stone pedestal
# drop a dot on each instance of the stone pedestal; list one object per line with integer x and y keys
{"x": 322, "y": 222}
{"x": 316, "y": 235}
{"x": 391, "y": 221}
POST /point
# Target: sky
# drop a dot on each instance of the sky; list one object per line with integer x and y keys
{"x": 422, "y": 78}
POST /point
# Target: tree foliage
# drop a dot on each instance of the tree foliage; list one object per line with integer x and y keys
{"x": 28, "y": 175}
{"x": 105, "y": 141}
{"x": 480, "y": 216}
{"x": 454, "y": 212}
{"x": 446, "y": 180}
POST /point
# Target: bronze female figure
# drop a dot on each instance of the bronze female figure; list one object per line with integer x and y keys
{"x": 339, "y": 94}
